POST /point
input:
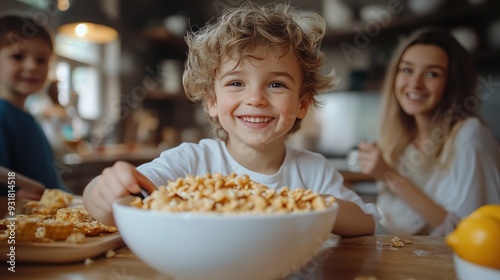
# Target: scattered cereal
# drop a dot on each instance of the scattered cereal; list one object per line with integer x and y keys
{"x": 421, "y": 252}
{"x": 396, "y": 242}
{"x": 88, "y": 261}
{"x": 76, "y": 238}
{"x": 110, "y": 254}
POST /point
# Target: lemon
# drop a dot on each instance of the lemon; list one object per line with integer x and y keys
{"x": 492, "y": 210}
{"x": 477, "y": 237}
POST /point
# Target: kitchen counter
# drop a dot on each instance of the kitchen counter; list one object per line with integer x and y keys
{"x": 78, "y": 170}
{"x": 350, "y": 173}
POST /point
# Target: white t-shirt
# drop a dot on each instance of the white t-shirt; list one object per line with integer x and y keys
{"x": 300, "y": 169}
{"x": 472, "y": 180}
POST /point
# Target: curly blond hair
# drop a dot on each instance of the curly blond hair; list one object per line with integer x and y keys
{"x": 240, "y": 32}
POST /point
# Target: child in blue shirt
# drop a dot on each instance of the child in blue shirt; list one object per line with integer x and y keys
{"x": 25, "y": 52}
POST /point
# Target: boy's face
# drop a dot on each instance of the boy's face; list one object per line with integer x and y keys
{"x": 24, "y": 66}
{"x": 257, "y": 101}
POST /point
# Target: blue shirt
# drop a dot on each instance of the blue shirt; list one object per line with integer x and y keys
{"x": 25, "y": 149}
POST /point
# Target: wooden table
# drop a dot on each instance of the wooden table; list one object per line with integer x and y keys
{"x": 352, "y": 258}
{"x": 426, "y": 258}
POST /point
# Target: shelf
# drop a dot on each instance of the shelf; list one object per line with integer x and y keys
{"x": 160, "y": 34}
{"x": 452, "y": 15}
{"x": 159, "y": 95}
{"x": 173, "y": 43}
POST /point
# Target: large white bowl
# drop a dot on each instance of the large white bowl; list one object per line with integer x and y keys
{"x": 217, "y": 246}
{"x": 468, "y": 271}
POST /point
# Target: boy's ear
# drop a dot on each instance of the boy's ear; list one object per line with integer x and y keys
{"x": 212, "y": 108}
{"x": 304, "y": 103}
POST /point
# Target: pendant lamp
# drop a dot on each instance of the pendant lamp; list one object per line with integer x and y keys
{"x": 85, "y": 20}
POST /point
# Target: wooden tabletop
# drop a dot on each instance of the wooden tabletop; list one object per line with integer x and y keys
{"x": 357, "y": 258}
{"x": 351, "y": 177}
{"x": 365, "y": 257}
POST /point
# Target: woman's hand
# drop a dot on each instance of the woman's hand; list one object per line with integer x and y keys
{"x": 120, "y": 180}
{"x": 371, "y": 161}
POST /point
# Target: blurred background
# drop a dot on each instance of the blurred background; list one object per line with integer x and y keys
{"x": 121, "y": 90}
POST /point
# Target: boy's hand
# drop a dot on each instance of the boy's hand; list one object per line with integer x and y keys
{"x": 120, "y": 180}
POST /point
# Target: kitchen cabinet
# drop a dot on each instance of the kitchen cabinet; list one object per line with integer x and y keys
{"x": 176, "y": 114}
{"x": 393, "y": 22}
{"x": 172, "y": 44}
{"x": 375, "y": 40}
{"x": 454, "y": 13}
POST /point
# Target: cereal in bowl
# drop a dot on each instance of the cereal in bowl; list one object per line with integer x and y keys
{"x": 229, "y": 194}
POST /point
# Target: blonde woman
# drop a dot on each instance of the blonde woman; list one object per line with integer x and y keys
{"x": 436, "y": 160}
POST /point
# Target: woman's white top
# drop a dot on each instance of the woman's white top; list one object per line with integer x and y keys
{"x": 472, "y": 180}
{"x": 300, "y": 169}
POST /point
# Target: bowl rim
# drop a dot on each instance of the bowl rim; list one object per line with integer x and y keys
{"x": 121, "y": 204}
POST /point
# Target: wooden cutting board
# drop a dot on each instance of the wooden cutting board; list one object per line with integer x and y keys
{"x": 61, "y": 252}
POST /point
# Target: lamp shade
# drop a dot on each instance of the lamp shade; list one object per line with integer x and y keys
{"x": 85, "y": 20}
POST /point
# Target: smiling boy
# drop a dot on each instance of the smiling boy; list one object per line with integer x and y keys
{"x": 257, "y": 71}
